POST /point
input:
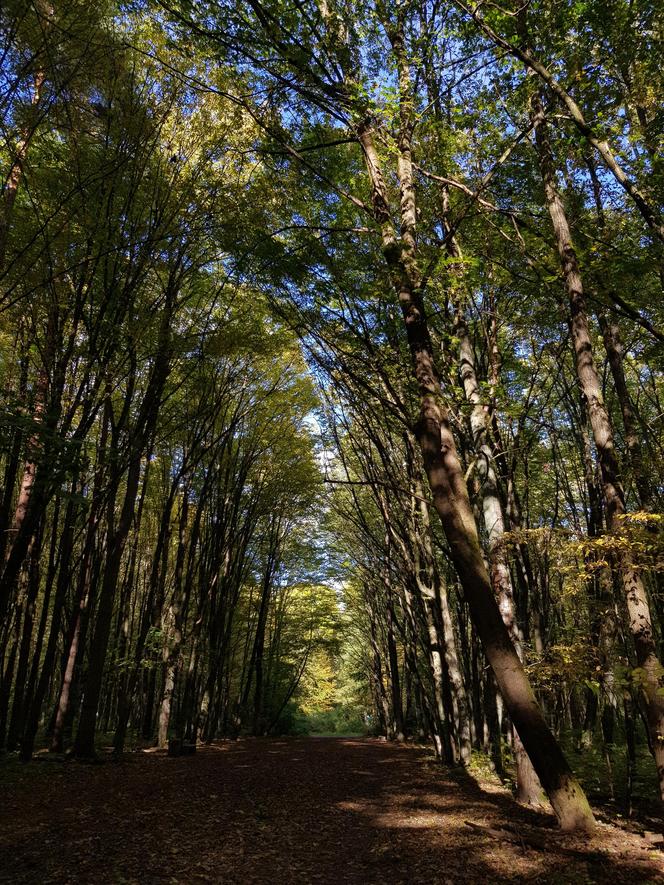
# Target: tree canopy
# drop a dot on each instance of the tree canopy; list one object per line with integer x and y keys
{"x": 331, "y": 349}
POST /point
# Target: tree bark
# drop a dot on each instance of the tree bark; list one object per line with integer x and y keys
{"x": 443, "y": 469}
{"x": 640, "y": 621}
{"x": 529, "y": 790}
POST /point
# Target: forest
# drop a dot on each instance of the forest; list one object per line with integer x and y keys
{"x": 331, "y": 351}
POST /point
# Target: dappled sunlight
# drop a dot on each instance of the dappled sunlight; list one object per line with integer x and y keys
{"x": 331, "y": 437}
{"x": 349, "y": 806}
{"x": 400, "y": 821}
{"x": 303, "y": 810}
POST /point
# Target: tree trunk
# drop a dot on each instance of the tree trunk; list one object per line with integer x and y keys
{"x": 640, "y": 621}
{"x": 178, "y": 606}
{"x": 395, "y": 681}
{"x": 614, "y": 351}
{"x": 529, "y": 791}
{"x": 13, "y": 179}
{"x": 448, "y": 487}
{"x": 85, "y": 736}
{"x": 20, "y": 698}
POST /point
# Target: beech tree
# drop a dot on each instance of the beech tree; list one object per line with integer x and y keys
{"x": 330, "y": 349}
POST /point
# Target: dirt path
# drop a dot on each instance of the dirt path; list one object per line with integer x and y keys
{"x": 318, "y": 810}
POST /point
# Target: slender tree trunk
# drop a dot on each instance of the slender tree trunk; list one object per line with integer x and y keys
{"x": 62, "y": 585}
{"x": 443, "y": 644}
{"x": 85, "y": 736}
{"x": 395, "y": 680}
{"x": 31, "y": 498}
{"x": 614, "y": 351}
{"x": 529, "y": 790}
{"x": 448, "y": 487}
{"x": 172, "y": 650}
{"x": 83, "y": 589}
{"x": 640, "y": 621}
{"x": 20, "y": 699}
{"x": 382, "y": 704}
{"x": 8, "y": 677}
{"x": 15, "y": 175}
{"x": 12, "y": 466}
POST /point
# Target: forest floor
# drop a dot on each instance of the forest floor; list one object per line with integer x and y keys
{"x": 298, "y": 810}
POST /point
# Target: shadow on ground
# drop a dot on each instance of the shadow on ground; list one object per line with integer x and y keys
{"x": 319, "y": 810}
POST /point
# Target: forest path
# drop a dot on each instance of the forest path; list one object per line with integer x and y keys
{"x": 300, "y": 810}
